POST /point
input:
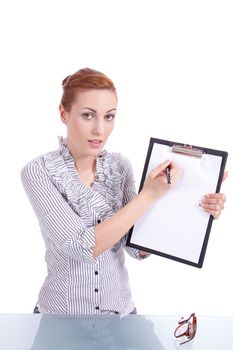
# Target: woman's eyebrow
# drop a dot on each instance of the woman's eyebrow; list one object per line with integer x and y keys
{"x": 93, "y": 110}
{"x": 110, "y": 110}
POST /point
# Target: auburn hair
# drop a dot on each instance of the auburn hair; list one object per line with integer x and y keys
{"x": 84, "y": 78}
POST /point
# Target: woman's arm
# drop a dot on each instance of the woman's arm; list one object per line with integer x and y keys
{"x": 68, "y": 232}
{"x": 155, "y": 187}
{"x": 60, "y": 225}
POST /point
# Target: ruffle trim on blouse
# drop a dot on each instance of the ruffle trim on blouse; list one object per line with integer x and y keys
{"x": 81, "y": 198}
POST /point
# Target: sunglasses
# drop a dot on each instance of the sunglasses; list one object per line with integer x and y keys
{"x": 187, "y": 327}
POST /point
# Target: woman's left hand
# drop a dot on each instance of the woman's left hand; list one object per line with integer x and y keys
{"x": 213, "y": 203}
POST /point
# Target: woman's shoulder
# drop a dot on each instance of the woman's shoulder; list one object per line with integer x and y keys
{"x": 36, "y": 166}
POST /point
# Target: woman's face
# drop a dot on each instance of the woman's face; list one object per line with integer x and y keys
{"x": 90, "y": 121}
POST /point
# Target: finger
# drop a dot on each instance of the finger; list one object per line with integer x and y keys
{"x": 210, "y": 206}
{"x": 160, "y": 168}
{"x": 215, "y": 197}
{"x": 172, "y": 164}
{"x": 214, "y": 213}
{"x": 225, "y": 175}
{"x": 213, "y": 201}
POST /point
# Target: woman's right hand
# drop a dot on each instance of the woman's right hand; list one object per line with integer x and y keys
{"x": 155, "y": 185}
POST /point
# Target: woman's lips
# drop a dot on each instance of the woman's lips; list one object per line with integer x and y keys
{"x": 95, "y": 143}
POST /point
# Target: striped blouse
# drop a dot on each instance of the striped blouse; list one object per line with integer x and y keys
{"x": 67, "y": 211}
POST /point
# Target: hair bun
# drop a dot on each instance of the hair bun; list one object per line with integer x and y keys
{"x": 65, "y": 80}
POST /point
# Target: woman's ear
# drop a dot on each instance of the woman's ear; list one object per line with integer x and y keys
{"x": 62, "y": 113}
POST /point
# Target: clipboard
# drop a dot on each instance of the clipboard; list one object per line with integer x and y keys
{"x": 176, "y": 227}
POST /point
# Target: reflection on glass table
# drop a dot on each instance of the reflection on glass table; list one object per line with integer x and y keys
{"x": 110, "y": 332}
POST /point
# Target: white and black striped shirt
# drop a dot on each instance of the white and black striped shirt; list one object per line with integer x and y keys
{"x": 67, "y": 211}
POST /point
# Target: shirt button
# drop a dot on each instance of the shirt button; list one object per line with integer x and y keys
{"x": 98, "y": 221}
{"x": 96, "y": 289}
{"x": 97, "y": 308}
{"x": 96, "y": 272}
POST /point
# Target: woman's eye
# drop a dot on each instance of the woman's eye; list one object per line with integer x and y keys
{"x": 109, "y": 117}
{"x": 87, "y": 116}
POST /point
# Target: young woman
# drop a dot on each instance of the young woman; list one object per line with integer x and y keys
{"x": 85, "y": 201}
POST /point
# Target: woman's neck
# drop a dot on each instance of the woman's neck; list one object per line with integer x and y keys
{"x": 85, "y": 165}
{"x": 86, "y": 168}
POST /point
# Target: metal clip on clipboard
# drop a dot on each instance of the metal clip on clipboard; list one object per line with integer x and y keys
{"x": 188, "y": 150}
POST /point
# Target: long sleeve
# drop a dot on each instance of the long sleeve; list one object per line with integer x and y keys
{"x": 59, "y": 223}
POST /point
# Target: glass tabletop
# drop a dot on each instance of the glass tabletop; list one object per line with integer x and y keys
{"x": 111, "y": 332}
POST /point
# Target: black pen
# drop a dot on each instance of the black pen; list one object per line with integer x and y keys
{"x": 168, "y": 174}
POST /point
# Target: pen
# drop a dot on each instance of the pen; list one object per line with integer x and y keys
{"x": 168, "y": 174}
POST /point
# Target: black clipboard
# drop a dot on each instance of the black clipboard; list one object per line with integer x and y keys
{"x": 175, "y": 227}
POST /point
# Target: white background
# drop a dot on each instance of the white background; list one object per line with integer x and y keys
{"x": 171, "y": 62}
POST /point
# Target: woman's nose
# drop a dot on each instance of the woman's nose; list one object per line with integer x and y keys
{"x": 98, "y": 128}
